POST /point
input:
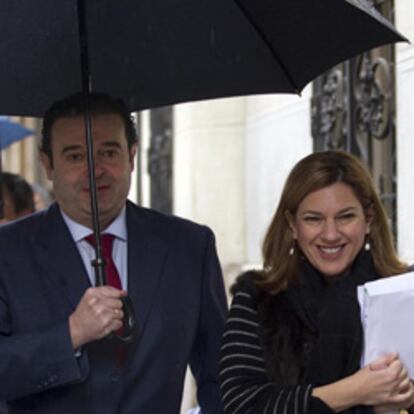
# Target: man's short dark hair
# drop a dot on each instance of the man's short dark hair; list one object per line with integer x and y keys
{"x": 74, "y": 105}
{"x": 20, "y": 191}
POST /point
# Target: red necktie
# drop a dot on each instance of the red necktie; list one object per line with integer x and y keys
{"x": 112, "y": 279}
{"x": 112, "y": 275}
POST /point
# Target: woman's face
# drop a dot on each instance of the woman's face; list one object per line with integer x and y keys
{"x": 330, "y": 228}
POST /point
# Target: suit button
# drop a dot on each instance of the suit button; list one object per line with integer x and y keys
{"x": 114, "y": 377}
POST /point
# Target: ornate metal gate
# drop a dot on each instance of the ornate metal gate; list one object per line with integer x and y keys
{"x": 353, "y": 109}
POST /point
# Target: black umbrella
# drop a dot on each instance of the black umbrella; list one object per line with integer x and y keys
{"x": 156, "y": 52}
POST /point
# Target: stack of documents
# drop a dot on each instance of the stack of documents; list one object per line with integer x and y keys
{"x": 387, "y": 314}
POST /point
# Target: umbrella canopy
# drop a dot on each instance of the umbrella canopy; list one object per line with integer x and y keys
{"x": 156, "y": 52}
{"x": 11, "y": 132}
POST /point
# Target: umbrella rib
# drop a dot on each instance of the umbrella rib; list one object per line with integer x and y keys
{"x": 269, "y": 45}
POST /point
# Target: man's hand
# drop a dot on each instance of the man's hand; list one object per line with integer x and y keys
{"x": 98, "y": 313}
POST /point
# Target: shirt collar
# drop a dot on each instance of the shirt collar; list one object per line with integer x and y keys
{"x": 79, "y": 231}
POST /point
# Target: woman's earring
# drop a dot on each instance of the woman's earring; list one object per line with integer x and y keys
{"x": 292, "y": 251}
{"x": 367, "y": 245}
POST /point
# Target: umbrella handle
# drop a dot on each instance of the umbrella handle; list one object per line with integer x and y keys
{"x": 129, "y": 322}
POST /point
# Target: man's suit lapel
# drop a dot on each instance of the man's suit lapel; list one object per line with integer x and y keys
{"x": 58, "y": 257}
{"x": 60, "y": 262}
{"x": 146, "y": 257}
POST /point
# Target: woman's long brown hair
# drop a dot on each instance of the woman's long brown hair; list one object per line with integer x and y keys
{"x": 312, "y": 173}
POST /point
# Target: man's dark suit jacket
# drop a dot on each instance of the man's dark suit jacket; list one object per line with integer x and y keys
{"x": 175, "y": 282}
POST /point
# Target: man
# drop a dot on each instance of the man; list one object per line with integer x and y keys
{"x": 17, "y": 197}
{"x": 56, "y": 356}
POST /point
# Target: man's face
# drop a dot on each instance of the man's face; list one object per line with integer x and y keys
{"x": 69, "y": 174}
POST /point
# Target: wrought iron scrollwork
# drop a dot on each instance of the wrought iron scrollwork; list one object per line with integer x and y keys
{"x": 327, "y": 110}
{"x": 353, "y": 108}
{"x": 372, "y": 96}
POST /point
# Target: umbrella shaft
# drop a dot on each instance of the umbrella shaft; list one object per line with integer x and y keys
{"x": 99, "y": 263}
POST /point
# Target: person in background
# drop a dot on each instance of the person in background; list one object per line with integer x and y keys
{"x": 58, "y": 330}
{"x": 293, "y": 337}
{"x": 17, "y": 197}
{"x": 17, "y": 200}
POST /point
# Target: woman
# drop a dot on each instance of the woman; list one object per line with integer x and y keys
{"x": 293, "y": 338}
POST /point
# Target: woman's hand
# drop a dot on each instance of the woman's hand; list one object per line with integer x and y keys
{"x": 405, "y": 399}
{"x": 384, "y": 382}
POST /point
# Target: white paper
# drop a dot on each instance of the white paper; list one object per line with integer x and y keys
{"x": 387, "y": 314}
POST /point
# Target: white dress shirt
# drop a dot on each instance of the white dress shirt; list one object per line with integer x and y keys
{"x": 87, "y": 252}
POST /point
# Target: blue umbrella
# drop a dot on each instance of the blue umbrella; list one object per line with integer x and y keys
{"x": 11, "y": 132}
